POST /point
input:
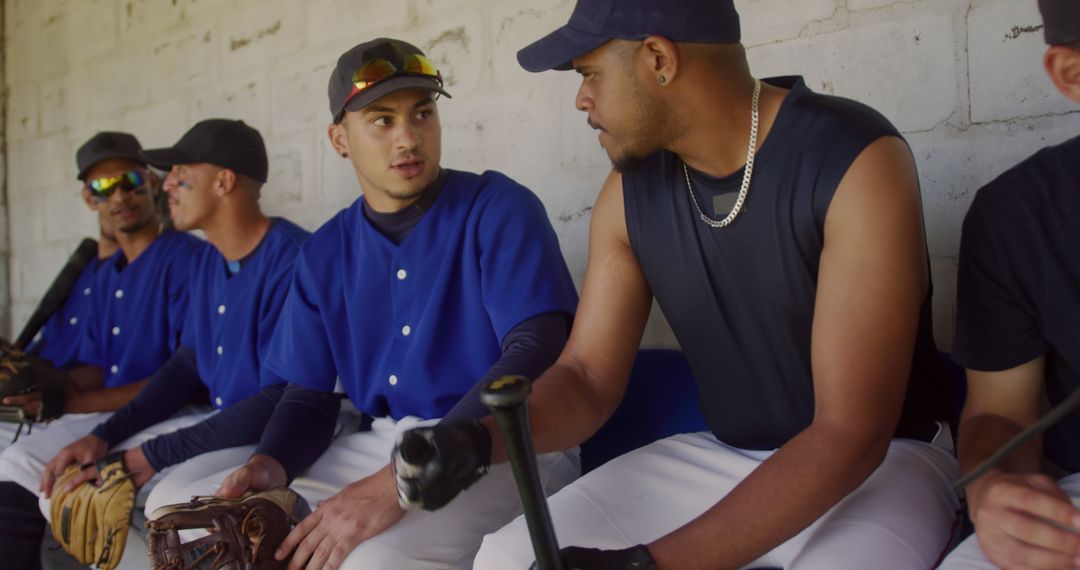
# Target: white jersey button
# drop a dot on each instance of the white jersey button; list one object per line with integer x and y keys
{"x": 115, "y": 331}
{"x": 114, "y": 369}
{"x": 393, "y": 379}
{"x": 401, "y": 275}
{"x": 220, "y": 350}
{"x": 221, "y": 309}
{"x": 86, "y": 291}
{"x": 406, "y": 330}
{"x": 74, "y": 321}
{"x": 119, "y": 293}
{"x": 218, "y": 401}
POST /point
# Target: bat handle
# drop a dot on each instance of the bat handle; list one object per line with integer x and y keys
{"x": 508, "y": 398}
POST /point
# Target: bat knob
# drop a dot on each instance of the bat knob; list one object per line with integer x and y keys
{"x": 506, "y": 392}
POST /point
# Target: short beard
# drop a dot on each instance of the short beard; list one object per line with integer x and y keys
{"x": 651, "y": 122}
{"x": 626, "y": 162}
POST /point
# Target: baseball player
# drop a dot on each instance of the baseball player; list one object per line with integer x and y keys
{"x": 780, "y": 230}
{"x": 430, "y": 283}
{"x": 216, "y": 172}
{"x": 136, "y": 308}
{"x": 59, "y": 339}
{"x": 1018, "y": 335}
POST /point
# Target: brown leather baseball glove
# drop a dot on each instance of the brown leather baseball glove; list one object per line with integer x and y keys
{"x": 244, "y": 532}
{"x": 22, "y": 373}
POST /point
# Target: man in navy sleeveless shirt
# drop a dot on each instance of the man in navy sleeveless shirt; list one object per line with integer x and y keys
{"x": 1018, "y": 335}
{"x": 798, "y": 287}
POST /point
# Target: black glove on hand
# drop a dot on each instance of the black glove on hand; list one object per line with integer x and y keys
{"x": 578, "y": 558}
{"x": 433, "y": 464}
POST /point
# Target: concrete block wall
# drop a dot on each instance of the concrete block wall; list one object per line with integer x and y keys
{"x": 961, "y": 78}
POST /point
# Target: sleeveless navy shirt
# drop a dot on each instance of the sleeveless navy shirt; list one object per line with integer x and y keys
{"x": 740, "y": 299}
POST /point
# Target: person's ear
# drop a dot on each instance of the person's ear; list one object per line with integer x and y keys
{"x": 1063, "y": 66}
{"x": 338, "y": 139}
{"x": 88, "y": 197}
{"x": 661, "y": 59}
{"x": 225, "y": 181}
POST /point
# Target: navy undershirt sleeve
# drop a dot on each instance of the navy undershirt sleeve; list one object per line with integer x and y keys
{"x": 528, "y": 350}
{"x": 239, "y": 424}
{"x": 170, "y": 388}
{"x": 301, "y": 428}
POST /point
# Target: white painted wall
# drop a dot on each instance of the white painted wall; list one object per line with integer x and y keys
{"x": 962, "y": 78}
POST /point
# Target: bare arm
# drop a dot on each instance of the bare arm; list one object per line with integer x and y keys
{"x": 105, "y": 399}
{"x": 871, "y": 283}
{"x": 1012, "y": 504}
{"x": 582, "y": 389}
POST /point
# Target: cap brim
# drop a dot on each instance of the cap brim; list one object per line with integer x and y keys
{"x": 558, "y": 49}
{"x": 165, "y": 158}
{"x": 380, "y": 90}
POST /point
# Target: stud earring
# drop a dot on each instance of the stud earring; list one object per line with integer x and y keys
{"x": 661, "y": 79}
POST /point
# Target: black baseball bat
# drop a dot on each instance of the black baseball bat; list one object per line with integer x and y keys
{"x": 58, "y": 292}
{"x": 508, "y": 399}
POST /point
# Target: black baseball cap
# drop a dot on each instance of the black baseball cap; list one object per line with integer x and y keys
{"x": 597, "y": 21}
{"x": 222, "y": 142}
{"x": 387, "y": 65}
{"x": 106, "y": 145}
{"x": 1061, "y": 21}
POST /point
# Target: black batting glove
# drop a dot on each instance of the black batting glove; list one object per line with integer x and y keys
{"x": 433, "y": 464}
{"x": 578, "y": 558}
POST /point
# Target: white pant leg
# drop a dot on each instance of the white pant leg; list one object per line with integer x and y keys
{"x": 25, "y": 460}
{"x": 7, "y": 434}
{"x": 447, "y": 538}
{"x": 650, "y": 492}
{"x": 176, "y": 486}
{"x": 969, "y": 554}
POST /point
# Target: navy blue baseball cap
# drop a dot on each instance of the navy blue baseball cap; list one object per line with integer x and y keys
{"x": 106, "y": 145}
{"x": 597, "y": 21}
{"x": 226, "y": 143}
{"x": 1061, "y": 21}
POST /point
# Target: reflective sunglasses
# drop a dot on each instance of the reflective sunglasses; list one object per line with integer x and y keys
{"x": 104, "y": 187}
{"x": 380, "y": 69}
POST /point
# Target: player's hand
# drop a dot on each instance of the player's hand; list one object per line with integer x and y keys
{"x": 578, "y": 558}
{"x": 30, "y": 403}
{"x": 1025, "y": 521}
{"x": 433, "y": 464}
{"x": 83, "y": 451}
{"x": 356, "y": 513}
{"x": 137, "y": 466}
{"x": 260, "y": 473}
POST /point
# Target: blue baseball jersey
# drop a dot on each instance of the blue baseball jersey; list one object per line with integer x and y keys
{"x": 60, "y": 338}
{"x": 231, "y": 318}
{"x": 410, "y": 328}
{"x": 138, "y": 308}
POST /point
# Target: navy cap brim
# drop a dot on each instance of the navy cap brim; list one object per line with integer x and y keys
{"x": 165, "y": 158}
{"x": 388, "y": 86}
{"x": 558, "y": 49}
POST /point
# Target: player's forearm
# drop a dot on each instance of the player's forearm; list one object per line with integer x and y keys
{"x": 86, "y": 378}
{"x": 981, "y": 436}
{"x": 784, "y": 495}
{"x": 107, "y": 400}
{"x": 566, "y": 407}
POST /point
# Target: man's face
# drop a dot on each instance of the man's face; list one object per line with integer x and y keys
{"x": 192, "y": 194}
{"x": 395, "y": 145}
{"x": 127, "y": 209}
{"x": 630, "y": 120}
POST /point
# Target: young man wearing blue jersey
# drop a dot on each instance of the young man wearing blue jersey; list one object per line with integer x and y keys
{"x": 1018, "y": 336}
{"x": 431, "y": 282}
{"x": 60, "y": 337}
{"x": 136, "y": 309}
{"x": 216, "y": 172}
{"x": 780, "y": 230}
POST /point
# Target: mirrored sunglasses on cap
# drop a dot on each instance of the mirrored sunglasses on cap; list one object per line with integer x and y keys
{"x": 377, "y": 70}
{"x": 128, "y": 181}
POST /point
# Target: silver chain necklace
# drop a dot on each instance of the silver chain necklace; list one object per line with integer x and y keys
{"x": 747, "y": 173}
